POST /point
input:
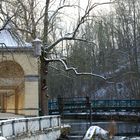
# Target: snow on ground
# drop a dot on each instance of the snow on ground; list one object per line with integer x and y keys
{"x": 2, "y": 138}
{"x": 126, "y": 138}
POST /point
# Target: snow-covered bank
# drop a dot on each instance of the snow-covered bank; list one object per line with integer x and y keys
{"x": 126, "y": 138}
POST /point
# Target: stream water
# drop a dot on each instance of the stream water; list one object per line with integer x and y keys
{"x": 129, "y": 130}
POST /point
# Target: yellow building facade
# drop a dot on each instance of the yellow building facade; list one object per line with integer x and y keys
{"x": 19, "y": 75}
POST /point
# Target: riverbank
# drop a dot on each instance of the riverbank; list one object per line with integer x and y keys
{"x": 126, "y": 138}
{"x": 104, "y": 116}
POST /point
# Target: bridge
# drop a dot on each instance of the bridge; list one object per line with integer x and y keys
{"x": 84, "y": 106}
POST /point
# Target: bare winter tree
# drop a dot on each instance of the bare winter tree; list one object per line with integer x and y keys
{"x": 29, "y": 21}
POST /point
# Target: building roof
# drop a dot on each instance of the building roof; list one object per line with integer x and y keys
{"x": 10, "y": 39}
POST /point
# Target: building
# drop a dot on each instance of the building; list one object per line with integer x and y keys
{"x": 19, "y": 75}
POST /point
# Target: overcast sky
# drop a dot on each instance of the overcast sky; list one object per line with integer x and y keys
{"x": 69, "y": 15}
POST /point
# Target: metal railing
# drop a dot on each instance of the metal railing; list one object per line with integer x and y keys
{"x": 82, "y": 104}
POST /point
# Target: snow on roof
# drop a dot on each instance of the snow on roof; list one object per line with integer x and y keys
{"x": 11, "y": 39}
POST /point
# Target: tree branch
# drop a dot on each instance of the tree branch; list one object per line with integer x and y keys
{"x": 9, "y": 19}
{"x": 82, "y": 20}
{"x": 75, "y": 70}
{"x": 48, "y": 48}
{"x": 64, "y": 6}
{"x": 88, "y": 10}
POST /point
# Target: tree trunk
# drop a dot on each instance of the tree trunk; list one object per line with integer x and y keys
{"x": 44, "y": 67}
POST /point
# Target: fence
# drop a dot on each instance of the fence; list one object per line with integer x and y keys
{"x": 70, "y": 105}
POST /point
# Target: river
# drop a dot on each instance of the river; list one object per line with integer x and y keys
{"x": 130, "y": 130}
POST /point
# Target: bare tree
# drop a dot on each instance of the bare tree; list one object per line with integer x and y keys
{"x": 28, "y": 23}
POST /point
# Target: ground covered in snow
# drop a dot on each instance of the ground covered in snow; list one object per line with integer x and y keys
{"x": 126, "y": 138}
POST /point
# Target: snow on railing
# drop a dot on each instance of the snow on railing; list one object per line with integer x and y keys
{"x": 28, "y": 126}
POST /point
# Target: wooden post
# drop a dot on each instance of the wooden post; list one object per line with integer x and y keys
{"x": 90, "y": 108}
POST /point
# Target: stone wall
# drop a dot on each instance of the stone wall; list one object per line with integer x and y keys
{"x": 20, "y": 82}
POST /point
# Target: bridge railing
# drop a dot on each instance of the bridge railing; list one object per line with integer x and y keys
{"x": 82, "y": 104}
{"x": 25, "y": 126}
{"x": 115, "y": 103}
{"x": 68, "y": 104}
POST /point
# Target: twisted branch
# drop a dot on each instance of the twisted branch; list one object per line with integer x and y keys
{"x": 75, "y": 70}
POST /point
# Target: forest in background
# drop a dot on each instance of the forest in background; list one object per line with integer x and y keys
{"x": 107, "y": 44}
